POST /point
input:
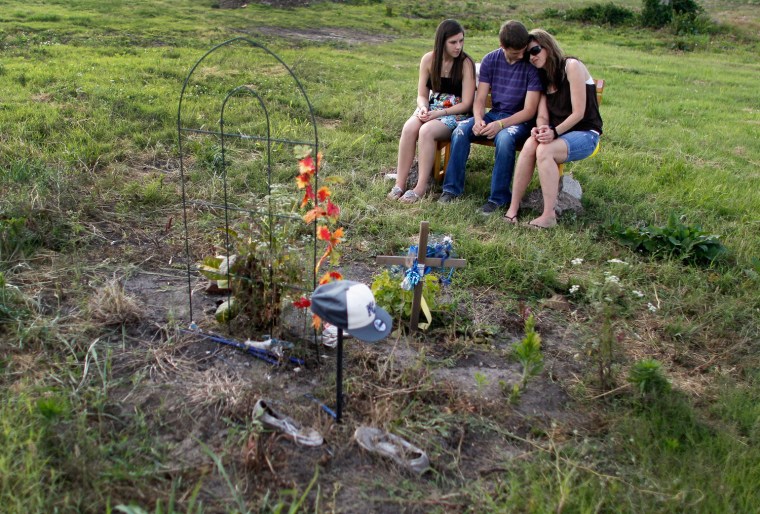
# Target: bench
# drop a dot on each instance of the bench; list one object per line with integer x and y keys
{"x": 444, "y": 147}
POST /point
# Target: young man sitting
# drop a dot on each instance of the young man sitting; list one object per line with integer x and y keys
{"x": 515, "y": 89}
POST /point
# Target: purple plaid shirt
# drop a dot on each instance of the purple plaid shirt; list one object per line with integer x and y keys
{"x": 509, "y": 82}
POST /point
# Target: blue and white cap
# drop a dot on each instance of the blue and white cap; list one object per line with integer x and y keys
{"x": 351, "y": 306}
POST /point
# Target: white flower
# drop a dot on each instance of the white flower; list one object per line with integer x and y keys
{"x": 651, "y": 307}
{"x": 638, "y": 293}
{"x": 577, "y": 261}
{"x": 574, "y": 288}
{"x": 612, "y": 279}
{"x": 618, "y": 261}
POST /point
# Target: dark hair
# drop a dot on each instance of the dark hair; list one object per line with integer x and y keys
{"x": 445, "y": 30}
{"x": 513, "y": 34}
{"x": 553, "y": 72}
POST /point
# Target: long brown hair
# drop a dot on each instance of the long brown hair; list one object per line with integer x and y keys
{"x": 445, "y": 30}
{"x": 553, "y": 72}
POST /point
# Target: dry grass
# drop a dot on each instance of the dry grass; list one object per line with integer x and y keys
{"x": 111, "y": 306}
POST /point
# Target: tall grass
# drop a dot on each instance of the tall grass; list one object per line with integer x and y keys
{"x": 89, "y": 106}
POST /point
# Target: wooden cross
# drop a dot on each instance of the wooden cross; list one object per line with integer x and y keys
{"x": 422, "y": 261}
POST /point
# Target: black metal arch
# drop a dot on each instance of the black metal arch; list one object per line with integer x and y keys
{"x": 222, "y": 135}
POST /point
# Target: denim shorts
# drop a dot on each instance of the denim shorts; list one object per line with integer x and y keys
{"x": 580, "y": 144}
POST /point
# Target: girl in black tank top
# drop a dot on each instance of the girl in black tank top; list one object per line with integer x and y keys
{"x": 568, "y": 125}
{"x": 445, "y": 92}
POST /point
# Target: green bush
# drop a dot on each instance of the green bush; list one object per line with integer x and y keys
{"x": 688, "y": 243}
{"x": 602, "y": 14}
{"x": 658, "y": 13}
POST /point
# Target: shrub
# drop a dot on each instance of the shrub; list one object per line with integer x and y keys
{"x": 648, "y": 379}
{"x": 602, "y": 14}
{"x": 658, "y": 13}
{"x": 688, "y": 243}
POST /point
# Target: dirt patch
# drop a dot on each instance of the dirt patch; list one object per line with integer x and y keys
{"x": 444, "y": 391}
{"x": 325, "y": 35}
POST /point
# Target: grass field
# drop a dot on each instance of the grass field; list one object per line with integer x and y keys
{"x": 106, "y": 404}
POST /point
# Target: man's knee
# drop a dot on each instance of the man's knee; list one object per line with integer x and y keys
{"x": 463, "y": 132}
{"x": 506, "y": 140}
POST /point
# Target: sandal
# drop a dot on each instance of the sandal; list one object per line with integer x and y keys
{"x": 410, "y": 197}
{"x": 395, "y": 193}
{"x": 393, "y": 447}
{"x": 288, "y": 426}
{"x": 512, "y": 220}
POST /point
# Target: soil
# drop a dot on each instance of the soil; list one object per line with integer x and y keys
{"x": 199, "y": 390}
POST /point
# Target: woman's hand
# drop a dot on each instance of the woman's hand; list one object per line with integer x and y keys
{"x": 543, "y": 134}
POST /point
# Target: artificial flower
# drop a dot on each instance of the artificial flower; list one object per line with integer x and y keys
{"x": 302, "y": 303}
{"x": 333, "y": 211}
{"x": 314, "y": 214}
{"x": 323, "y": 193}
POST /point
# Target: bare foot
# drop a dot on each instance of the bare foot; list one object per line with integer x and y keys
{"x": 543, "y": 222}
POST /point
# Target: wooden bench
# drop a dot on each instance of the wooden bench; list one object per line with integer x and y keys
{"x": 444, "y": 147}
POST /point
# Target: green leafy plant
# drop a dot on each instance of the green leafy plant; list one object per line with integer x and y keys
{"x": 648, "y": 379}
{"x": 528, "y": 352}
{"x": 266, "y": 261}
{"x": 481, "y": 381}
{"x": 685, "y": 242}
{"x": 396, "y": 300}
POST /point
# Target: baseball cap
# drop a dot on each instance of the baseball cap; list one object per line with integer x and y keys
{"x": 351, "y": 306}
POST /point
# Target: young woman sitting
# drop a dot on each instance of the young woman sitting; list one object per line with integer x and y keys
{"x": 568, "y": 125}
{"x": 445, "y": 92}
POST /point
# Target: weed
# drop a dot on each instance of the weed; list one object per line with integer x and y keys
{"x": 481, "y": 381}
{"x": 648, "y": 379}
{"x": 528, "y": 353}
{"x": 686, "y": 242}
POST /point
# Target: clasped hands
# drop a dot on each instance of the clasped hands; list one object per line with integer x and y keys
{"x": 424, "y": 114}
{"x": 489, "y": 130}
{"x": 543, "y": 134}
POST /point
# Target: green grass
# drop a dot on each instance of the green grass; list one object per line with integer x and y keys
{"x": 88, "y": 149}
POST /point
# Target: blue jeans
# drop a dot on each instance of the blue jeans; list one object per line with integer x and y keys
{"x": 507, "y": 142}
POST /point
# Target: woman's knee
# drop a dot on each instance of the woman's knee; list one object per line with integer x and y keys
{"x": 529, "y": 147}
{"x": 546, "y": 153}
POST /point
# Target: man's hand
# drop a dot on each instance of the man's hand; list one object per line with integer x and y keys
{"x": 478, "y": 127}
{"x": 492, "y": 129}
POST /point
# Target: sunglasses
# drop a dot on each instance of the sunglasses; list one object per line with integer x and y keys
{"x": 535, "y": 50}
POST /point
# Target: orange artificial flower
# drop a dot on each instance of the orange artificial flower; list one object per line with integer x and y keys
{"x": 303, "y": 180}
{"x": 337, "y": 236}
{"x": 314, "y": 214}
{"x": 306, "y": 165}
{"x": 329, "y": 277}
{"x": 308, "y": 195}
{"x": 323, "y": 193}
{"x": 323, "y": 233}
{"x": 333, "y": 211}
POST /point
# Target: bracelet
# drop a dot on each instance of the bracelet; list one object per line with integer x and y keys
{"x": 556, "y": 135}
{"x": 501, "y": 125}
